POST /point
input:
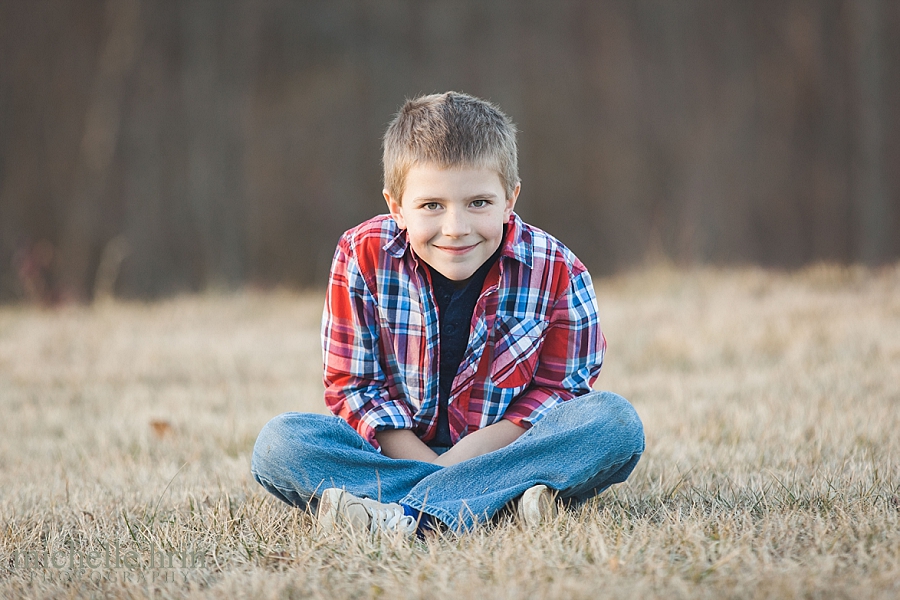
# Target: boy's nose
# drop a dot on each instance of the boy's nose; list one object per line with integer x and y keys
{"x": 455, "y": 224}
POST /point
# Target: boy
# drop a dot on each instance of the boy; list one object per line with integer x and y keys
{"x": 460, "y": 345}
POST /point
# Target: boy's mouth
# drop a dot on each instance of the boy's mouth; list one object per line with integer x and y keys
{"x": 456, "y": 250}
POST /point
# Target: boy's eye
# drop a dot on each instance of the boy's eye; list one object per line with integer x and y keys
{"x": 431, "y": 206}
{"x": 479, "y": 203}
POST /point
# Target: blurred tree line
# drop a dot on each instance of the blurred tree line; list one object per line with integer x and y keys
{"x": 153, "y": 147}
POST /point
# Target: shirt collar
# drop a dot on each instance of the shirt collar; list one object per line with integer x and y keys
{"x": 397, "y": 245}
{"x": 516, "y": 242}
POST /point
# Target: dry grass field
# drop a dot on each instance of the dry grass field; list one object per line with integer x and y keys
{"x": 771, "y": 403}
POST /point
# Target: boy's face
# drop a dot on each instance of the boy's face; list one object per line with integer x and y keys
{"x": 454, "y": 217}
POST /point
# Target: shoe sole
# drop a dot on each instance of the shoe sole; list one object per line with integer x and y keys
{"x": 329, "y": 507}
{"x": 538, "y": 506}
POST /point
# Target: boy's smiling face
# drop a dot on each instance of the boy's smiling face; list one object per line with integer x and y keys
{"x": 454, "y": 217}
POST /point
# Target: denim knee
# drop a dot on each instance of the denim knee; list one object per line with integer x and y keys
{"x": 616, "y": 409}
{"x": 275, "y": 445}
{"x": 632, "y": 427}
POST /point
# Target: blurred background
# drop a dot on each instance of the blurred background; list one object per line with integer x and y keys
{"x": 154, "y": 147}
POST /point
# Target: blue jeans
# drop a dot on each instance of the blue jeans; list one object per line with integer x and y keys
{"x": 579, "y": 448}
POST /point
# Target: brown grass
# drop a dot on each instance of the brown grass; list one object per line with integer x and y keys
{"x": 771, "y": 404}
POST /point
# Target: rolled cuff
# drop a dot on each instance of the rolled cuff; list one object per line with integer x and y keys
{"x": 393, "y": 414}
{"x": 530, "y": 407}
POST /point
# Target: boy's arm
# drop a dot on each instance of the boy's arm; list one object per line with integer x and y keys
{"x": 570, "y": 356}
{"x": 403, "y": 443}
{"x": 356, "y": 387}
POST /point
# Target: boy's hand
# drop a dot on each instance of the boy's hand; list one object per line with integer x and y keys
{"x": 493, "y": 437}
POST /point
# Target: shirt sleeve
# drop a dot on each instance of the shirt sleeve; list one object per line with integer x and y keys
{"x": 356, "y": 388}
{"x": 570, "y": 356}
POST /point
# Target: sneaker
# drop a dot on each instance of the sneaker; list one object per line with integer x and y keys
{"x": 339, "y": 508}
{"x": 537, "y": 506}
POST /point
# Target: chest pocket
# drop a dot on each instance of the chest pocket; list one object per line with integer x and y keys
{"x": 516, "y": 349}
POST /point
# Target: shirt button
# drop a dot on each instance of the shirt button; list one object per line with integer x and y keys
{"x": 451, "y": 328}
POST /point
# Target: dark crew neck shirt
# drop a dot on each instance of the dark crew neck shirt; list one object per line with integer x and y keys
{"x": 456, "y": 305}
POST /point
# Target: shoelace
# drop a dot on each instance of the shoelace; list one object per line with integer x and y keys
{"x": 391, "y": 519}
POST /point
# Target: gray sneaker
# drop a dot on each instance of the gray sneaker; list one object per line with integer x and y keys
{"x": 339, "y": 508}
{"x": 537, "y": 506}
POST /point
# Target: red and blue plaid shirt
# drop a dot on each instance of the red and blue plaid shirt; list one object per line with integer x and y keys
{"x": 534, "y": 340}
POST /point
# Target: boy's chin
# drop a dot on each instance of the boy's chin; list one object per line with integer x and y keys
{"x": 456, "y": 275}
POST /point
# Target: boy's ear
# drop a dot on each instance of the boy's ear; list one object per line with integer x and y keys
{"x": 511, "y": 203}
{"x": 394, "y": 207}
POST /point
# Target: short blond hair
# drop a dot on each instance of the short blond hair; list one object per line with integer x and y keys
{"x": 450, "y": 130}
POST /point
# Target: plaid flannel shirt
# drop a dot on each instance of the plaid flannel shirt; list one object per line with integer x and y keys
{"x": 534, "y": 341}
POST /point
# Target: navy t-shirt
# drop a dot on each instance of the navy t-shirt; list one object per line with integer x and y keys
{"x": 456, "y": 305}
